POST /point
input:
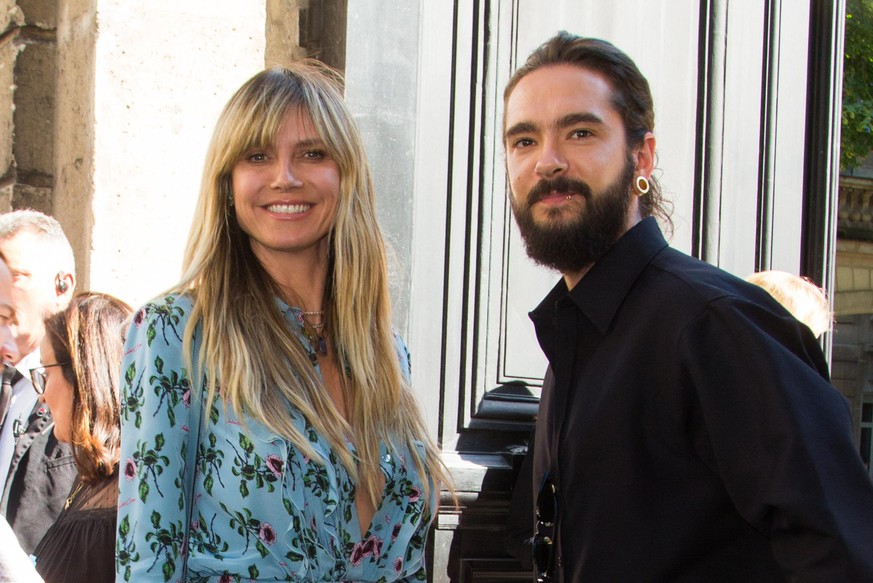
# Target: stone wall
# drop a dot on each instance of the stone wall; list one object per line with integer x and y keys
{"x": 27, "y": 88}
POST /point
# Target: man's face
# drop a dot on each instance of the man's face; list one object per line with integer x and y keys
{"x": 8, "y": 349}
{"x": 569, "y": 167}
{"x": 34, "y": 293}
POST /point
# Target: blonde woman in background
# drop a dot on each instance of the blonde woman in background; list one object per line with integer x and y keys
{"x": 806, "y": 301}
{"x": 313, "y": 463}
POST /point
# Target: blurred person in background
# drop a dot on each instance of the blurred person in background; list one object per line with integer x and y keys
{"x": 36, "y": 470}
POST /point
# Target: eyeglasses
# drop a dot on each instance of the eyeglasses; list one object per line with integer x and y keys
{"x": 37, "y": 376}
{"x": 543, "y": 541}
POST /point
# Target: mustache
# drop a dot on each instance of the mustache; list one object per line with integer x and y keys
{"x": 561, "y": 184}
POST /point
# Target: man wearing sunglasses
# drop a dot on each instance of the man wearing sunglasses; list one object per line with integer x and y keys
{"x": 36, "y": 471}
{"x": 687, "y": 429}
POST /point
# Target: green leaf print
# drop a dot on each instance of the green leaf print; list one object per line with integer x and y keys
{"x": 130, "y": 373}
{"x": 246, "y": 443}
{"x": 168, "y": 569}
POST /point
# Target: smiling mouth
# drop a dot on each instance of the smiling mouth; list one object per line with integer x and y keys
{"x": 289, "y": 209}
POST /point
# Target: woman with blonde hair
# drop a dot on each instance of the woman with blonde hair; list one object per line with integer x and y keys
{"x": 275, "y": 359}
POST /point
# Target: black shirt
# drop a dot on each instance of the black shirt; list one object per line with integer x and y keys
{"x": 80, "y": 546}
{"x": 689, "y": 424}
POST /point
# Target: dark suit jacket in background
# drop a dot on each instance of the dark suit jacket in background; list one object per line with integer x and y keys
{"x": 41, "y": 475}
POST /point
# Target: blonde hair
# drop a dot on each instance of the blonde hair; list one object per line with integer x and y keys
{"x": 806, "y": 301}
{"x": 246, "y": 345}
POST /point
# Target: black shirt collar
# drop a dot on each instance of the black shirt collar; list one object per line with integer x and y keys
{"x": 600, "y": 293}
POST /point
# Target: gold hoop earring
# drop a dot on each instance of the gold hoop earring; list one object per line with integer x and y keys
{"x": 642, "y": 184}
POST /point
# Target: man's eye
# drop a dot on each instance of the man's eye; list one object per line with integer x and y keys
{"x": 522, "y": 143}
{"x": 581, "y": 133}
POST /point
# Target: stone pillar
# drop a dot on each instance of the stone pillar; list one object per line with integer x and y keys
{"x": 11, "y": 18}
{"x": 27, "y": 86}
{"x": 140, "y": 85}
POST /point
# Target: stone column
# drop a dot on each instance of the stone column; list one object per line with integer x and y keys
{"x": 27, "y": 86}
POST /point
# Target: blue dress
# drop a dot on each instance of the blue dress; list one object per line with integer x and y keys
{"x": 263, "y": 511}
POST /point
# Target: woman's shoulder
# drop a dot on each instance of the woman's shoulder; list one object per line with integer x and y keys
{"x": 163, "y": 318}
{"x": 172, "y": 304}
{"x": 403, "y": 356}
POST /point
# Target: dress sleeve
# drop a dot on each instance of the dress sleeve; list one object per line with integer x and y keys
{"x": 155, "y": 395}
{"x": 403, "y": 356}
{"x": 779, "y": 436}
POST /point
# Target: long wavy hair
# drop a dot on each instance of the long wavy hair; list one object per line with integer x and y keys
{"x": 246, "y": 346}
{"x": 631, "y": 95}
{"x": 89, "y": 334}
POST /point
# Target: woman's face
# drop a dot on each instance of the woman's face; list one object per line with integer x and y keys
{"x": 58, "y": 395}
{"x": 286, "y": 195}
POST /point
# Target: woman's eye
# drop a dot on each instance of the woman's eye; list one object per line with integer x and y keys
{"x": 256, "y": 157}
{"x": 315, "y": 155}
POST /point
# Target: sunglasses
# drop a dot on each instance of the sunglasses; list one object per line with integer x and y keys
{"x": 543, "y": 540}
{"x": 37, "y": 376}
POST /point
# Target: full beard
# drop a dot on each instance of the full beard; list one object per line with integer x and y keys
{"x": 572, "y": 243}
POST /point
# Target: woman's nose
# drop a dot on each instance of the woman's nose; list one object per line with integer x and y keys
{"x": 285, "y": 176}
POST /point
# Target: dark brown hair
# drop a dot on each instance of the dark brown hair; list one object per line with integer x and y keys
{"x": 89, "y": 335}
{"x": 631, "y": 95}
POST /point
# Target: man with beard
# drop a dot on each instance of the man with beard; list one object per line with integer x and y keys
{"x": 687, "y": 429}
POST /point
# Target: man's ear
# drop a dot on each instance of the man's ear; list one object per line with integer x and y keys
{"x": 64, "y": 284}
{"x": 644, "y": 156}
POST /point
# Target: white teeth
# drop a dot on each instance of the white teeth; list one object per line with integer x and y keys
{"x": 289, "y": 208}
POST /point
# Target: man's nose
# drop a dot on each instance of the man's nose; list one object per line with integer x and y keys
{"x": 8, "y": 348}
{"x": 551, "y": 161}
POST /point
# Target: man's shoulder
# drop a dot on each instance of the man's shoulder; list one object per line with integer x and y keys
{"x": 694, "y": 280}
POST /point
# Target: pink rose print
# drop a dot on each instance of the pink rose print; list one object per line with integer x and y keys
{"x": 398, "y": 565}
{"x": 129, "y": 469}
{"x": 186, "y": 398}
{"x": 414, "y": 494}
{"x": 267, "y": 533}
{"x": 372, "y": 547}
{"x": 274, "y": 464}
{"x": 396, "y": 531}
{"x": 139, "y": 317}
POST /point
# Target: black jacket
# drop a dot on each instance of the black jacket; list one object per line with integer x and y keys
{"x": 41, "y": 475}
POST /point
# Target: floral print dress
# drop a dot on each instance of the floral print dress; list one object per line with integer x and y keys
{"x": 262, "y": 511}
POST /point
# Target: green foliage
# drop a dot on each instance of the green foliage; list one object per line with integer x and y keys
{"x": 857, "y": 131}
